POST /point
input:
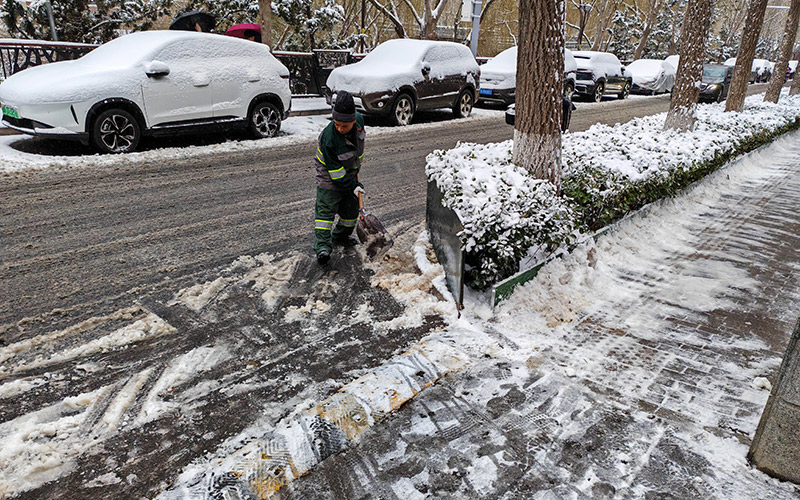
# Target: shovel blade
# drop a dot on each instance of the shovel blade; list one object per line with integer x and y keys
{"x": 373, "y": 236}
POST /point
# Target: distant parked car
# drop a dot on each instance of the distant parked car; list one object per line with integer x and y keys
{"x": 760, "y": 71}
{"x": 151, "y": 83}
{"x": 599, "y": 74}
{"x": 651, "y": 76}
{"x": 716, "y": 82}
{"x": 673, "y": 61}
{"x": 499, "y": 77}
{"x": 403, "y": 76}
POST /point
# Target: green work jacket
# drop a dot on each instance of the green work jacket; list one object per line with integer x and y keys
{"x": 338, "y": 158}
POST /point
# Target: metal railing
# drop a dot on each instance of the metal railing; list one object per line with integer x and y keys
{"x": 16, "y": 55}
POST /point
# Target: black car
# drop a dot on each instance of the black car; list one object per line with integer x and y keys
{"x": 716, "y": 82}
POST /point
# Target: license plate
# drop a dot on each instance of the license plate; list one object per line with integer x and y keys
{"x": 10, "y": 112}
{"x": 486, "y": 91}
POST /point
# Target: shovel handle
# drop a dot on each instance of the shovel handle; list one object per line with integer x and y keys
{"x": 361, "y": 201}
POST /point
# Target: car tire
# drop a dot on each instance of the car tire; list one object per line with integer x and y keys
{"x": 599, "y": 90}
{"x": 463, "y": 105}
{"x": 626, "y": 90}
{"x": 403, "y": 110}
{"x": 264, "y": 120}
{"x": 569, "y": 90}
{"x": 115, "y": 131}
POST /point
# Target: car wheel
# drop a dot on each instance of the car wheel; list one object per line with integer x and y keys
{"x": 403, "y": 110}
{"x": 115, "y": 131}
{"x": 599, "y": 89}
{"x": 569, "y": 90}
{"x": 719, "y": 96}
{"x": 463, "y": 106}
{"x": 264, "y": 120}
{"x": 626, "y": 89}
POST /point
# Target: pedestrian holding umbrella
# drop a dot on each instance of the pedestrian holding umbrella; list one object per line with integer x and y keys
{"x": 196, "y": 20}
{"x": 245, "y": 31}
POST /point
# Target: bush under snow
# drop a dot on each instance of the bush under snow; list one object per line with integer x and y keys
{"x": 608, "y": 171}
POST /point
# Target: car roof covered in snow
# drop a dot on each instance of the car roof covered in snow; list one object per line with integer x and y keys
{"x": 401, "y": 50}
{"x": 134, "y": 46}
{"x": 646, "y": 67}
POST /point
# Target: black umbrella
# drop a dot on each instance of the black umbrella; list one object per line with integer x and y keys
{"x": 188, "y": 21}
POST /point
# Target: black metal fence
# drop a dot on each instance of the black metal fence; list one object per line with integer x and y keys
{"x": 308, "y": 70}
{"x": 16, "y": 55}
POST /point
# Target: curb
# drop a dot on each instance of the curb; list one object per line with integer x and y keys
{"x": 295, "y": 446}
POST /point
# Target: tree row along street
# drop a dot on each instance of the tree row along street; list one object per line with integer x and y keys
{"x": 83, "y": 241}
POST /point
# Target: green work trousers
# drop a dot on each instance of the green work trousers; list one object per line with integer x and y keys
{"x": 329, "y": 204}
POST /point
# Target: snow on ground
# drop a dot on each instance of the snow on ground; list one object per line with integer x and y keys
{"x": 617, "y": 333}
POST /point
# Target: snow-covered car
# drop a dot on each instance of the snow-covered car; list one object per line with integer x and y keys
{"x": 651, "y": 76}
{"x": 151, "y": 83}
{"x": 761, "y": 70}
{"x": 499, "y": 77}
{"x": 673, "y": 61}
{"x": 403, "y": 76}
{"x": 599, "y": 74}
{"x": 716, "y": 83}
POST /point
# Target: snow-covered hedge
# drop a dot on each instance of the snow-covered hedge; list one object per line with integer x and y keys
{"x": 608, "y": 171}
{"x": 504, "y": 210}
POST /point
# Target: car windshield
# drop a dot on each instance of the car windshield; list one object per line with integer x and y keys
{"x": 711, "y": 75}
{"x": 396, "y": 52}
{"x": 117, "y": 53}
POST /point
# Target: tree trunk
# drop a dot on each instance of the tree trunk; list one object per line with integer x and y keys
{"x": 744, "y": 58}
{"x": 540, "y": 80}
{"x": 683, "y": 104}
{"x": 779, "y": 73}
{"x": 651, "y": 19}
{"x": 265, "y": 19}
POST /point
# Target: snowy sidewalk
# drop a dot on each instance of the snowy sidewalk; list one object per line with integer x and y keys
{"x": 631, "y": 369}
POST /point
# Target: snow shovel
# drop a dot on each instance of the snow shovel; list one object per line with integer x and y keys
{"x": 371, "y": 232}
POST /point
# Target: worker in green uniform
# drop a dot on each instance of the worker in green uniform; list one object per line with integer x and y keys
{"x": 338, "y": 161}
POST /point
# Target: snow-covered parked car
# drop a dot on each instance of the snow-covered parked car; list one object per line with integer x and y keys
{"x": 760, "y": 71}
{"x": 599, "y": 74}
{"x": 651, "y": 76}
{"x": 673, "y": 61}
{"x": 499, "y": 77}
{"x": 151, "y": 83}
{"x": 403, "y": 76}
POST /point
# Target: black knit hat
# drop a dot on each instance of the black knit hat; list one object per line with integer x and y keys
{"x": 344, "y": 109}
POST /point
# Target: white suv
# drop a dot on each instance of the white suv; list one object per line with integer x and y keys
{"x": 153, "y": 83}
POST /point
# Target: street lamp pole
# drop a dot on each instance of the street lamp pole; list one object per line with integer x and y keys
{"x": 476, "y": 26}
{"x": 52, "y": 21}
{"x": 584, "y": 10}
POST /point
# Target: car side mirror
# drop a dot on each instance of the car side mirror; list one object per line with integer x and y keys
{"x": 155, "y": 69}
{"x": 426, "y": 69}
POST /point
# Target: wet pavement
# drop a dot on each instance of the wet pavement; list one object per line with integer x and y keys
{"x": 634, "y": 368}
